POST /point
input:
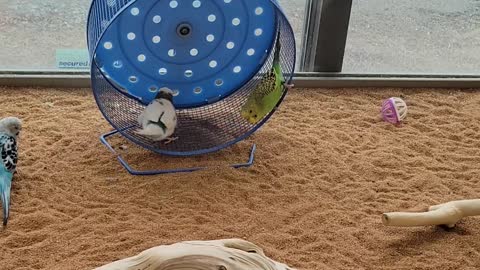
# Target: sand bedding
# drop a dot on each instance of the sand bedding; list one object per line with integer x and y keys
{"x": 326, "y": 168}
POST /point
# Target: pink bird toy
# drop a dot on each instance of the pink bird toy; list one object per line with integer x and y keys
{"x": 394, "y": 110}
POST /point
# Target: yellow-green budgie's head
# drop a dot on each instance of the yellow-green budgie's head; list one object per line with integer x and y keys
{"x": 251, "y": 113}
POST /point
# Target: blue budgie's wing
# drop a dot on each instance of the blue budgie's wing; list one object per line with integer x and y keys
{"x": 8, "y": 165}
{"x": 8, "y": 152}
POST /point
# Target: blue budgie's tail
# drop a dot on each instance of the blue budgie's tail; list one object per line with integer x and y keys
{"x": 5, "y": 185}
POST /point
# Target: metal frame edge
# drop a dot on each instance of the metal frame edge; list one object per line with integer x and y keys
{"x": 69, "y": 79}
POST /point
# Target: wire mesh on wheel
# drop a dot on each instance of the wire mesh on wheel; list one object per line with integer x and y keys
{"x": 211, "y": 53}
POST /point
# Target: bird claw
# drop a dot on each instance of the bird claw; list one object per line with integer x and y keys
{"x": 289, "y": 86}
{"x": 170, "y": 140}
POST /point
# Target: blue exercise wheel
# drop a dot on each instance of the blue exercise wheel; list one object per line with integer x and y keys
{"x": 211, "y": 53}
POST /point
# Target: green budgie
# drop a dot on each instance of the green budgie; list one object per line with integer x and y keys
{"x": 10, "y": 128}
{"x": 267, "y": 93}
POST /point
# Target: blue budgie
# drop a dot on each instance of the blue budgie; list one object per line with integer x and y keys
{"x": 10, "y": 128}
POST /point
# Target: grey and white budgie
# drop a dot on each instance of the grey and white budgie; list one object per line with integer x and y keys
{"x": 10, "y": 128}
{"x": 159, "y": 119}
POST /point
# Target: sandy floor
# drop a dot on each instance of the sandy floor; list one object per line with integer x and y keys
{"x": 326, "y": 169}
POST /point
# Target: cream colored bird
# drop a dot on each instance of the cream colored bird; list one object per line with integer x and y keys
{"x": 159, "y": 119}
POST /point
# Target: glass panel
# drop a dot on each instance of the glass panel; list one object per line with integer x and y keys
{"x": 295, "y": 10}
{"x": 412, "y": 36}
{"x": 33, "y": 34}
{"x": 50, "y": 34}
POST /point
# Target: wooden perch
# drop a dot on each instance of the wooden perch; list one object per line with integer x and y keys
{"x": 447, "y": 214}
{"x": 227, "y": 254}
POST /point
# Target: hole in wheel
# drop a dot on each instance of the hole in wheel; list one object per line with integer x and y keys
{"x": 197, "y": 90}
{"x": 184, "y": 30}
